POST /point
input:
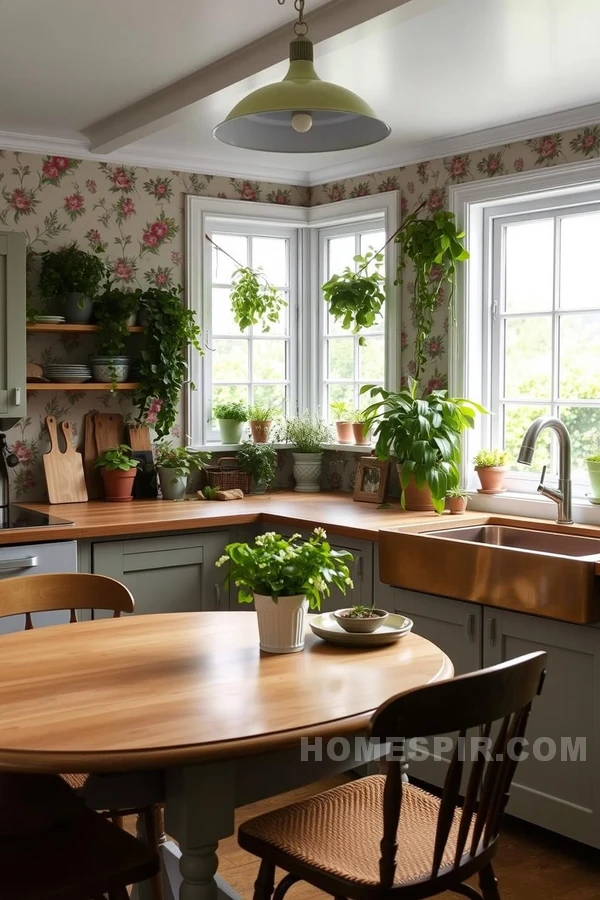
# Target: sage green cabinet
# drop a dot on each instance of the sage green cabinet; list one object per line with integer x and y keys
{"x": 13, "y": 354}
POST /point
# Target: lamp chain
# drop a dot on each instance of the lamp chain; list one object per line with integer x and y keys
{"x": 301, "y": 26}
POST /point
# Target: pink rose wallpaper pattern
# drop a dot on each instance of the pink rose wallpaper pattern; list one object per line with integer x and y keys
{"x": 136, "y": 216}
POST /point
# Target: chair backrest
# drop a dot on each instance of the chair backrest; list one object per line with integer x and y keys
{"x": 29, "y": 594}
{"x": 502, "y": 694}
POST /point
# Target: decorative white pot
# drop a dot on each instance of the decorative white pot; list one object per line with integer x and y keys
{"x": 307, "y": 471}
{"x": 281, "y": 623}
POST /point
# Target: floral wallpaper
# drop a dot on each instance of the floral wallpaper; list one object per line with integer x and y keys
{"x": 136, "y": 216}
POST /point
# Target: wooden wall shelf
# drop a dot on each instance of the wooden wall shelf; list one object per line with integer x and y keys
{"x": 85, "y": 386}
{"x": 73, "y": 329}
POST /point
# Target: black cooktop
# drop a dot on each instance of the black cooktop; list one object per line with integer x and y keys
{"x": 18, "y": 517}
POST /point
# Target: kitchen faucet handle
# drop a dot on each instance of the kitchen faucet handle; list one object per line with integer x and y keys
{"x": 542, "y": 476}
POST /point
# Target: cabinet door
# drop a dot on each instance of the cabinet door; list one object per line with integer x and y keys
{"x": 13, "y": 356}
{"x": 455, "y": 627}
{"x": 559, "y": 793}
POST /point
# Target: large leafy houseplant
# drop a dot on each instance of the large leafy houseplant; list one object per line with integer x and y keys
{"x": 170, "y": 329}
{"x": 70, "y": 271}
{"x": 423, "y": 434}
{"x": 355, "y": 297}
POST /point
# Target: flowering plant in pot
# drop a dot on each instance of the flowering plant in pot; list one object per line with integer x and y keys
{"x": 360, "y": 427}
{"x": 174, "y": 466}
{"x": 423, "y": 434}
{"x": 72, "y": 277}
{"x": 261, "y": 418}
{"x": 308, "y": 434}
{"x": 343, "y": 421}
{"x": 259, "y": 461}
{"x": 456, "y": 501}
{"x": 118, "y": 473}
{"x": 285, "y": 578}
{"x": 231, "y": 416}
{"x": 490, "y": 466}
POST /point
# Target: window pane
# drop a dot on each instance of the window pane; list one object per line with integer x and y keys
{"x": 528, "y": 358}
{"x": 339, "y": 393}
{"x": 268, "y": 360}
{"x": 222, "y": 316}
{"x": 341, "y": 253}
{"x": 270, "y": 255}
{"x": 373, "y": 240}
{"x": 579, "y": 370}
{"x": 371, "y": 360}
{"x": 223, "y": 266}
{"x": 579, "y": 242}
{"x": 230, "y": 360}
{"x": 341, "y": 358}
{"x": 529, "y": 269}
{"x": 271, "y": 395}
{"x": 517, "y": 420}
{"x": 584, "y": 427}
{"x": 226, "y": 393}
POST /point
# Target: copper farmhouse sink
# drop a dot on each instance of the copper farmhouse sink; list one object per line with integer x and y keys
{"x": 545, "y": 571}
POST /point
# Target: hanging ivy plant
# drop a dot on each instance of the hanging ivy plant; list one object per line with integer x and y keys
{"x": 254, "y": 301}
{"x": 169, "y": 330}
{"x": 354, "y": 297}
{"x": 112, "y": 309}
{"x": 434, "y": 247}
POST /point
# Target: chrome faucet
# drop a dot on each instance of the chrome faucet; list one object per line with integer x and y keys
{"x": 562, "y": 496}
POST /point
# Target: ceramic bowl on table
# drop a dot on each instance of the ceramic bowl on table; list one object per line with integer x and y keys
{"x": 358, "y": 625}
{"x": 326, "y": 627}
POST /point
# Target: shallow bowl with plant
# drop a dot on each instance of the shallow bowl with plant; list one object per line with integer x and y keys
{"x": 490, "y": 466}
{"x": 118, "y": 470}
{"x": 72, "y": 277}
{"x": 308, "y": 436}
{"x": 360, "y": 619}
{"x": 260, "y": 416}
{"x": 174, "y": 466}
{"x": 285, "y": 578}
{"x": 231, "y": 416}
{"x": 258, "y": 460}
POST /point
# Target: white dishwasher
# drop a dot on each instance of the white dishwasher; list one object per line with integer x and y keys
{"x": 22, "y": 560}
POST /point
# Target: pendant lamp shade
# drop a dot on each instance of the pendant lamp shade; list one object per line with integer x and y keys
{"x": 301, "y": 114}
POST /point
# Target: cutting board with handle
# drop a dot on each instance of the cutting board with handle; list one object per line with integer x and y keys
{"x": 108, "y": 431}
{"x": 139, "y": 437}
{"x": 64, "y": 470}
{"x": 90, "y": 455}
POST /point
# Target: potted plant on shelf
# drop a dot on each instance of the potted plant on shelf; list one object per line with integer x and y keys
{"x": 360, "y": 619}
{"x": 285, "y": 578}
{"x": 73, "y": 278}
{"x": 424, "y": 437}
{"x": 308, "y": 435}
{"x": 115, "y": 312}
{"x": 118, "y": 470}
{"x": 490, "y": 466}
{"x": 261, "y": 419}
{"x": 593, "y": 466}
{"x": 360, "y": 428}
{"x": 231, "y": 416}
{"x": 456, "y": 501}
{"x": 174, "y": 466}
{"x": 343, "y": 421}
{"x": 259, "y": 461}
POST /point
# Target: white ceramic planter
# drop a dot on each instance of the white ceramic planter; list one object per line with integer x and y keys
{"x": 281, "y": 624}
{"x": 307, "y": 471}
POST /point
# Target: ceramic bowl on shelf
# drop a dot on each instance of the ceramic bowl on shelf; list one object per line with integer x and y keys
{"x": 110, "y": 370}
{"x": 359, "y": 625}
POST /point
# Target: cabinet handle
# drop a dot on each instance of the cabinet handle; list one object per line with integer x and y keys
{"x": 218, "y": 596}
{"x": 471, "y": 626}
{"x": 359, "y": 566}
{"x": 17, "y": 396}
{"x": 28, "y": 562}
{"x": 492, "y": 631}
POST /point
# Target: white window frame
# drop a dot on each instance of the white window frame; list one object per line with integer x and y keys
{"x": 477, "y": 206}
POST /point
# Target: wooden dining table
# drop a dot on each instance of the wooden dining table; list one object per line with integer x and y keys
{"x": 191, "y": 696}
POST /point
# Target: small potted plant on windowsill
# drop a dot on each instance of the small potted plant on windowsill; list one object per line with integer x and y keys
{"x": 593, "y": 467}
{"x": 174, "y": 466}
{"x": 72, "y": 277}
{"x": 259, "y": 461}
{"x": 261, "y": 419}
{"x": 360, "y": 429}
{"x": 343, "y": 421}
{"x": 490, "y": 466}
{"x": 231, "y": 417}
{"x": 456, "y": 501}
{"x": 308, "y": 435}
{"x": 285, "y": 578}
{"x": 118, "y": 473}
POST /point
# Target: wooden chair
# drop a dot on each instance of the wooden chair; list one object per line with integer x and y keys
{"x": 72, "y": 591}
{"x": 53, "y": 848}
{"x": 378, "y": 837}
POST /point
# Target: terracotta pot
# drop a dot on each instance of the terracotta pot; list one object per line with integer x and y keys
{"x": 260, "y": 431}
{"x": 417, "y": 499}
{"x": 456, "y": 505}
{"x": 345, "y": 433}
{"x": 360, "y": 435}
{"x": 491, "y": 478}
{"x": 118, "y": 484}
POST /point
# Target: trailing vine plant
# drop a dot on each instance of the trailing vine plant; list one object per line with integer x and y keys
{"x": 112, "y": 309}
{"x": 355, "y": 298}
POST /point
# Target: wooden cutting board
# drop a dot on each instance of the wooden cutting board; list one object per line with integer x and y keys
{"x": 90, "y": 455}
{"x": 64, "y": 470}
{"x": 139, "y": 437}
{"x": 108, "y": 431}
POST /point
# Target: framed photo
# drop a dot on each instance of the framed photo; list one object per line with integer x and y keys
{"x": 372, "y": 478}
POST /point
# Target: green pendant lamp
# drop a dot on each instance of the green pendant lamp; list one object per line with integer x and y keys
{"x": 301, "y": 114}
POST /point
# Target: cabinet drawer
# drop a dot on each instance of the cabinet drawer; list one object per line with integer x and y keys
{"x": 36, "y": 559}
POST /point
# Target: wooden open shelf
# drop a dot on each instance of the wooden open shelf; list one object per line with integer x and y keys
{"x": 73, "y": 329}
{"x": 85, "y": 386}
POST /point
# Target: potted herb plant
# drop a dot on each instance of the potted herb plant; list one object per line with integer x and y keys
{"x": 308, "y": 435}
{"x": 355, "y": 297}
{"x": 360, "y": 619}
{"x": 456, "y": 501}
{"x": 343, "y": 421}
{"x": 360, "y": 428}
{"x": 261, "y": 419}
{"x": 285, "y": 578}
{"x": 593, "y": 467}
{"x": 424, "y": 437}
{"x": 73, "y": 278}
{"x": 115, "y": 311}
{"x": 490, "y": 466}
{"x": 259, "y": 461}
{"x": 118, "y": 470}
{"x": 231, "y": 416}
{"x": 174, "y": 466}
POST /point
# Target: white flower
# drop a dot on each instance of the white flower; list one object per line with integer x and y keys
{"x": 320, "y": 533}
{"x": 221, "y": 561}
{"x": 349, "y": 582}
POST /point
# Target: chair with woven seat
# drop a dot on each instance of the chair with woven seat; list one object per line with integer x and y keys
{"x": 36, "y": 594}
{"x": 379, "y": 838}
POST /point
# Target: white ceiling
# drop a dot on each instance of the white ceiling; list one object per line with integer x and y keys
{"x": 447, "y": 75}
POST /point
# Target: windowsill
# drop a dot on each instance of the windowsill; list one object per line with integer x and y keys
{"x": 532, "y": 506}
{"x": 216, "y": 447}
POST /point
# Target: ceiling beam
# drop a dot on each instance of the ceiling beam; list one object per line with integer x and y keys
{"x": 169, "y": 105}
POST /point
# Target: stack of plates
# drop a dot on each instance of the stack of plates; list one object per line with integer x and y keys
{"x": 50, "y": 320}
{"x": 64, "y": 374}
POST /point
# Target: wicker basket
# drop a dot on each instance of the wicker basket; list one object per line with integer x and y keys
{"x": 227, "y": 475}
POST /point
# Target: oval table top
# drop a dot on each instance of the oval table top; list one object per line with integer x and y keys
{"x": 161, "y": 690}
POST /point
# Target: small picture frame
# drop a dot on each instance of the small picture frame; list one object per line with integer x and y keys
{"x": 372, "y": 477}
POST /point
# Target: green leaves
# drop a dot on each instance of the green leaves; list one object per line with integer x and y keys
{"x": 254, "y": 301}
{"x": 180, "y": 459}
{"x": 112, "y": 309}
{"x": 258, "y": 460}
{"x": 234, "y": 411}
{"x": 355, "y": 298}
{"x": 116, "y": 458}
{"x": 70, "y": 271}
